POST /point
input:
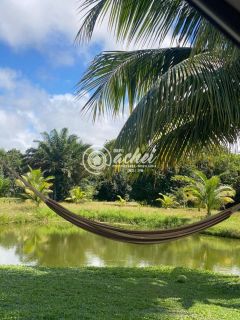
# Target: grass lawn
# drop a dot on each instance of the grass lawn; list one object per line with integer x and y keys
{"x": 129, "y": 215}
{"x": 115, "y": 293}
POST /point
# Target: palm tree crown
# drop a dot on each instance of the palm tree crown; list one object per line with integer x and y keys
{"x": 209, "y": 193}
{"x": 42, "y": 184}
{"x": 180, "y": 99}
{"x": 60, "y": 155}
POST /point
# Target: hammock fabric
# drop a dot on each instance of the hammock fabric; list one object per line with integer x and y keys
{"x": 124, "y": 235}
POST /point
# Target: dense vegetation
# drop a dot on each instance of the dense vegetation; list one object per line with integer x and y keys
{"x": 55, "y": 167}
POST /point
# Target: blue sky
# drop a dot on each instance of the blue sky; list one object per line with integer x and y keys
{"x": 39, "y": 68}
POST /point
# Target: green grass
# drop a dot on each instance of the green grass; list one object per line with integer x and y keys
{"x": 115, "y": 293}
{"x": 128, "y": 215}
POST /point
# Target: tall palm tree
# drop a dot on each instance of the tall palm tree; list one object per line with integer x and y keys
{"x": 60, "y": 155}
{"x": 207, "y": 193}
{"x": 181, "y": 98}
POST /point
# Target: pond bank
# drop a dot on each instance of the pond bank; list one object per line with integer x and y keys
{"x": 130, "y": 215}
{"x": 117, "y": 293}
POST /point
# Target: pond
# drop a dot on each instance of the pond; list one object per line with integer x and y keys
{"x": 61, "y": 246}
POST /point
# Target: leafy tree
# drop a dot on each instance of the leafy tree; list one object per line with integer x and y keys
{"x": 4, "y": 186}
{"x": 76, "y": 195}
{"x": 146, "y": 186}
{"x": 207, "y": 193}
{"x": 14, "y": 159}
{"x": 181, "y": 98}
{"x": 110, "y": 187}
{"x": 181, "y": 198}
{"x": 60, "y": 155}
{"x": 167, "y": 200}
{"x": 88, "y": 185}
{"x": 224, "y": 164}
{"x": 39, "y": 182}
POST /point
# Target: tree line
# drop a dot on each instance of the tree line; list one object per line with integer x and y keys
{"x": 59, "y": 155}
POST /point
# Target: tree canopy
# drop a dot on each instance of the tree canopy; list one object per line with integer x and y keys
{"x": 182, "y": 98}
{"x": 59, "y": 154}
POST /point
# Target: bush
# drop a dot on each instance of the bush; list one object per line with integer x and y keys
{"x": 4, "y": 186}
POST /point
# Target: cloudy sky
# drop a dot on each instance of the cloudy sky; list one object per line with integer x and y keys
{"x": 39, "y": 67}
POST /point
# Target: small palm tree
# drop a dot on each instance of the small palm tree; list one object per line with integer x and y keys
{"x": 38, "y": 181}
{"x": 76, "y": 195}
{"x": 167, "y": 200}
{"x": 121, "y": 200}
{"x": 208, "y": 193}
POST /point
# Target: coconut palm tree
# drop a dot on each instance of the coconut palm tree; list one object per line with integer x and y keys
{"x": 206, "y": 193}
{"x": 77, "y": 195}
{"x": 39, "y": 182}
{"x": 181, "y": 98}
{"x": 59, "y": 154}
{"x": 167, "y": 200}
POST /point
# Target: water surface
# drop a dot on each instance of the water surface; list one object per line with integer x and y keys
{"x": 71, "y": 247}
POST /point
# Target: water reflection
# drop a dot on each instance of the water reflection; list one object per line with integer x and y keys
{"x": 62, "y": 247}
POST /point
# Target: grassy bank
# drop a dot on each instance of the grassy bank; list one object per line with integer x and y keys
{"x": 129, "y": 215}
{"x": 115, "y": 293}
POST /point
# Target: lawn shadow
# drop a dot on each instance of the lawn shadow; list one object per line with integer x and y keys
{"x": 116, "y": 293}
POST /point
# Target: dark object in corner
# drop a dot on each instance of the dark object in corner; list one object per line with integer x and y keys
{"x": 225, "y": 14}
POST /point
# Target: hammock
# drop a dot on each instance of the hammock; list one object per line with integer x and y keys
{"x": 124, "y": 235}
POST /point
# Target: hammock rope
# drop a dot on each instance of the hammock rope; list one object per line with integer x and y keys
{"x": 125, "y": 235}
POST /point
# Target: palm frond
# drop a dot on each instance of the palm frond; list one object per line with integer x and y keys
{"x": 193, "y": 105}
{"x": 150, "y": 22}
{"x": 124, "y": 77}
{"x": 185, "y": 100}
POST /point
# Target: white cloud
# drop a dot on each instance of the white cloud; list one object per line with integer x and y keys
{"x": 30, "y": 22}
{"x": 7, "y": 78}
{"x": 37, "y": 23}
{"x": 48, "y": 26}
{"x": 26, "y": 111}
{"x": 62, "y": 58}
